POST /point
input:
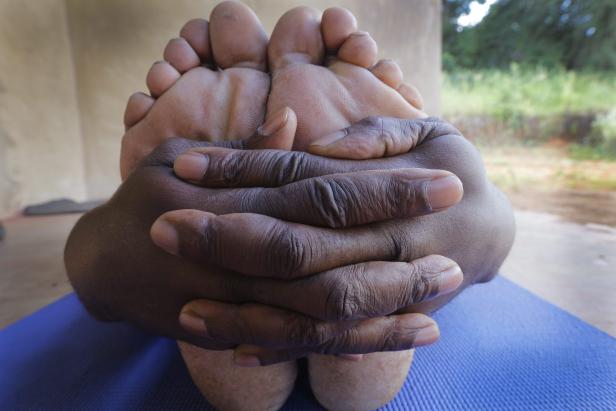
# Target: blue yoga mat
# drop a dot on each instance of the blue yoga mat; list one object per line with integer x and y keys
{"x": 501, "y": 348}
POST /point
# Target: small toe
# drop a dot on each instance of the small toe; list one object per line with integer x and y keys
{"x": 277, "y": 133}
{"x": 337, "y": 25}
{"x": 411, "y": 95}
{"x": 359, "y": 49}
{"x": 137, "y": 107}
{"x": 237, "y": 37}
{"x": 296, "y": 39}
{"x": 180, "y": 54}
{"x": 161, "y": 76}
{"x": 196, "y": 33}
{"x": 388, "y": 72}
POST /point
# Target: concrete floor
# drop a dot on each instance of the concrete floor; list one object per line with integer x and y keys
{"x": 570, "y": 265}
{"x": 31, "y": 267}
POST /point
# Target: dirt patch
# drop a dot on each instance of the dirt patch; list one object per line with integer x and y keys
{"x": 547, "y": 179}
{"x": 583, "y": 207}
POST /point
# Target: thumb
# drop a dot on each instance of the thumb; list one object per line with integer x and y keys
{"x": 278, "y": 132}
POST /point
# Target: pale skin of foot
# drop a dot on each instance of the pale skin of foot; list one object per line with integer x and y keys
{"x": 200, "y": 103}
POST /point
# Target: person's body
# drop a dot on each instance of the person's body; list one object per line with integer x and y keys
{"x": 107, "y": 266}
{"x": 205, "y": 106}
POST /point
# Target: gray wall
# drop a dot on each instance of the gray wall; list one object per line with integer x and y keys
{"x": 68, "y": 66}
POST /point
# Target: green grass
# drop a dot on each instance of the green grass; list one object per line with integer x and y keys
{"x": 587, "y": 152}
{"x": 518, "y": 93}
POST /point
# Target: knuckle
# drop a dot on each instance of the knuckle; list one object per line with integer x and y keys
{"x": 232, "y": 168}
{"x": 345, "y": 298}
{"x": 290, "y": 167}
{"x": 420, "y": 282}
{"x": 406, "y": 195}
{"x": 375, "y": 122}
{"x": 290, "y": 252}
{"x": 244, "y": 329}
{"x": 391, "y": 337}
{"x": 304, "y": 332}
{"x": 330, "y": 200}
{"x": 390, "y": 140}
{"x": 348, "y": 340}
{"x": 207, "y": 241}
{"x": 342, "y": 302}
{"x": 432, "y": 127}
{"x": 410, "y": 131}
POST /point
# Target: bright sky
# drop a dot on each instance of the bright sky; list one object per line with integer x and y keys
{"x": 477, "y": 13}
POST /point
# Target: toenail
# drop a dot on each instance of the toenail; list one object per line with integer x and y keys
{"x": 246, "y": 360}
{"x": 351, "y": 357}
{"x": 191, "y": 165}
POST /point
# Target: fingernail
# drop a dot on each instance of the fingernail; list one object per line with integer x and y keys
{"x": 193, "y": 323}
{"x": 165, "y": 236}
{"x": 246, "y": 360}
{"x": 450, "y": 279}
{"x": 417, "y": 321}
{"x": 330, "y": 139}
{"x": 351, "y": 357}
{"x": 424, "y": 328}
{"x": 191, "y": 165}
{"x": 443, "y": 192}
{"x": 427, "y": 335}
{"x": 274, "y": 124}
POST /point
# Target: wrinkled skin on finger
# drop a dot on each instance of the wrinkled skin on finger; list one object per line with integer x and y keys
{"x": 120, "y": 274}
{"x": 434, "y": 144}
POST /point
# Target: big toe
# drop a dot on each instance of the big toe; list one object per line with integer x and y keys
{"x": 237, "y": 37}
{"x": 337, "y": 25}
{"x": 297, "y": 39}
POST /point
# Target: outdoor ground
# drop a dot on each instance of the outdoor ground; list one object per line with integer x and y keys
{"x": 549, "y": 179}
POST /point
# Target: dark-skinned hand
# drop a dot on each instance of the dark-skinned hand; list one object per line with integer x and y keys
{"x": 304, "y": 226}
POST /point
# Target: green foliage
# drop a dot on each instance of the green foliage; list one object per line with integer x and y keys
{"x": 574, "y": 34}
{"x": 604, "y": 127}
{"x": 590, "y": 152}
{"x": 519, "y": 92}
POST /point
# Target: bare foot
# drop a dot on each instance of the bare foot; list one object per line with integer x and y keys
{"x": 212, "y": 85}
{"x": 231, "y": 388}
{"x": 326, "y": 71}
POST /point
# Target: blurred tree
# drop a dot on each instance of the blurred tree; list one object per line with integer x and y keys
{"x": 574, "y": 34}
{"x": 458, "y": 50}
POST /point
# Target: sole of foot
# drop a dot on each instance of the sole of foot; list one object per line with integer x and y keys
{"x": 212, "y": 85}
{"x": 327, "y": 72}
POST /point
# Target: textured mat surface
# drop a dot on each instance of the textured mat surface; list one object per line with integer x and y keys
{"x": 501, "y": 348}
